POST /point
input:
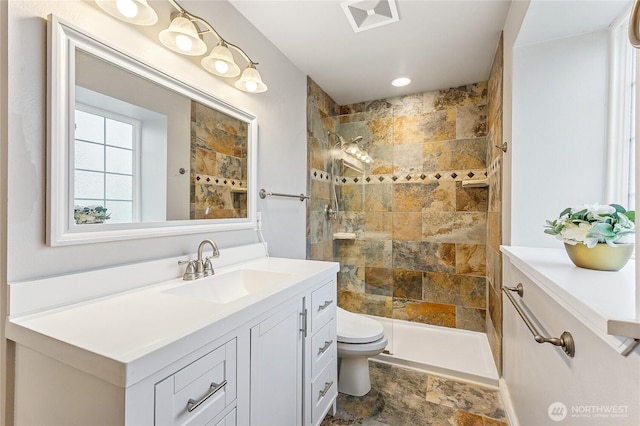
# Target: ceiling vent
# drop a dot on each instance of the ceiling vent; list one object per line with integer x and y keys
{"x": 367, "y": 14}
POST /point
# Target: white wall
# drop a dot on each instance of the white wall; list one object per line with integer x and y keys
{"x": 281, "y": 116}
{"x": 512, "y": 25}
{"x": 559, "y": 132}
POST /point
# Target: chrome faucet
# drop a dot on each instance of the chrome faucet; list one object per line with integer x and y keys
{"x": 204, "y": 267}
{"x": 201, "y": 267}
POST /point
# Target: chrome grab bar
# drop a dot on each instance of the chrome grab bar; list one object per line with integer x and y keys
{"x": 634, "y": 25}
{"x": 565, "y": 340}
{"x": 192, "y": 404}
{"x": 264, "y": 194}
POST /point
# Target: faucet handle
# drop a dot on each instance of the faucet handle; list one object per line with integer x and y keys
{"x": 190, "y": 271}
{"x": 208, "y": 267}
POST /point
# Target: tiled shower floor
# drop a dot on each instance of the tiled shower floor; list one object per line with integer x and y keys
{"x": 400, "y": 396}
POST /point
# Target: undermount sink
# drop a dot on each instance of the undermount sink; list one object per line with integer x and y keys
{"x": 229, "y": 286}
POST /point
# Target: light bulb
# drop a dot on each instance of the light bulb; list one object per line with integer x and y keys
{"x": 127, "y": 8}
{"x": 184, "y": 43}
{"x": 221, "y": 66}
{"x": 353, "y": 149}
{"x": 251, "y": 86}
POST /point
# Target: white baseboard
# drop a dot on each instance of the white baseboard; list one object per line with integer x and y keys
{"x": 509, "y": 411}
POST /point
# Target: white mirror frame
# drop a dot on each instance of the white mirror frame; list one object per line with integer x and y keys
{"x": 63, "y": 39}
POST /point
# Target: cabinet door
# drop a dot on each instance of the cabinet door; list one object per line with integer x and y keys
{"x": 276, "y": 368}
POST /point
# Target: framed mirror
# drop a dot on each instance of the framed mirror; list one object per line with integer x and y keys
{"x": 135, "y": 153}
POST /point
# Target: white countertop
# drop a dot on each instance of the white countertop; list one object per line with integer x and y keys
{"x": 127, "y": 336}
{"x": 596, "y": 298}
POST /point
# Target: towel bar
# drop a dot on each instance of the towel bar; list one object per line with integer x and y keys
{"x": 565, "y": 340}
{"x": 265, "y": 194}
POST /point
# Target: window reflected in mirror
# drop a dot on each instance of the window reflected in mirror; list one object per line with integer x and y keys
{"x": 104, "y": 172}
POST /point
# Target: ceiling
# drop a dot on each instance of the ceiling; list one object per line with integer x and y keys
{"x": 551, "y": 20}
{"x": 437, "y": 43}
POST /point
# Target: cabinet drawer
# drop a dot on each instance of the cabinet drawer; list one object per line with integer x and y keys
{"x": 323, "y": 305}
{"x": 324, "y": 390}
{"x": 205, "y": 387}
{"x": 228, "y": 420}
{"x": 323, "y": 347}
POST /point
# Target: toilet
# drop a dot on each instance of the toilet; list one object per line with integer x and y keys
{"x": 358, "y": 339}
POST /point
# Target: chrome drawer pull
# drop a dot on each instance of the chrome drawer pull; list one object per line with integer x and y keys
{"x": 324, "y": 391}
{"x": 192, "y": 404}
{"x": 517, "y": 289}
{"x": 326, "y": 346}
{"x": 565, "y": 341}
{"x": 325, "y": 305}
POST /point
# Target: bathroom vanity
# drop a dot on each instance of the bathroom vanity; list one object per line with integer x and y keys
{"x": 253, "y": 344}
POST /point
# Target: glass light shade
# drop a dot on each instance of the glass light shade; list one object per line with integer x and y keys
{"x": 250, "y": 81}
{"x": 182, "y": 37}
{"x": 220, "y": 62}
{"x": 137, "y": 12}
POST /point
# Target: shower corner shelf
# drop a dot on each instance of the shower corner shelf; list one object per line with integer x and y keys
{"x": 344, "y": 236}
{"x": 475, "y": 183}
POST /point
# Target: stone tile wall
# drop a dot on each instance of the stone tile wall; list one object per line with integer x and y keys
{"x": 321, "y": 118}
{"x": 419, "y": 252}
{"x": 218, "y": 164}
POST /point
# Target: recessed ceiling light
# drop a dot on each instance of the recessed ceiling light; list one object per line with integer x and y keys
{"x": 401, "y": 81}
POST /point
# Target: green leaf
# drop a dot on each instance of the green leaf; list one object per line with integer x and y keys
{"x": 618, "y": 208}
{"x": 565, "y": 211}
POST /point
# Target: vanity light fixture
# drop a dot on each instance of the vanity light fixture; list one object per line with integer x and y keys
{"x": 220, "y": 61}
{"x": 185, "y": 35}
{"x": 136, "y": 12}
{"x": 250, "y": 80}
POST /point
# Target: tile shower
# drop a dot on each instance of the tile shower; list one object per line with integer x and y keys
{"x": 425, "y": 247}
{"x": 218, "y": 164}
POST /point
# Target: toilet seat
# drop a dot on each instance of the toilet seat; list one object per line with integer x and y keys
{"x": 357, "y": 329}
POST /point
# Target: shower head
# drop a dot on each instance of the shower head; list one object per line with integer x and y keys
{"x": 339, "y": 139}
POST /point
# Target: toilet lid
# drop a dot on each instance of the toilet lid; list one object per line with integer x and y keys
{"x": 354, "y": 328}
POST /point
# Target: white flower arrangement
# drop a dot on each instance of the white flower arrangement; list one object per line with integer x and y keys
{"x": 591, "y": 224}
{"x": 90, "y": 214}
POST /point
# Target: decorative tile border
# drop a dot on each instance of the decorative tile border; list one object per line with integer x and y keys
{"x": 320, "y": 175}
{"x": 495, "y": 166}
{"x": 221, "y": 181}
{"x": 416, "y": 177}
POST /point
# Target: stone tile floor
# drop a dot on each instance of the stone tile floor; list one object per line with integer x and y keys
{"x": 400, "y": 396}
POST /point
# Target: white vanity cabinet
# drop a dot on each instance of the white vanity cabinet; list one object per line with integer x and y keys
{"x": 301, "y": 334}
{"x": 276, "y": 367}
{"x": 149, "y": 357}
{"x": 321, "y": 363}
{"x": 205, "y": 387}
